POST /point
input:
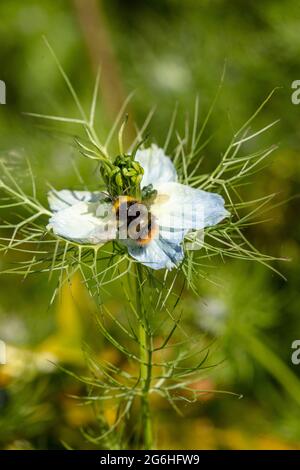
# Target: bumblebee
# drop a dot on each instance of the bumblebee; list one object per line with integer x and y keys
{"x": 135, "y": 220}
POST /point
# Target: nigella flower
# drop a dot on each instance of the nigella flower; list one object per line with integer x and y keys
{"x": 145, "y": 208}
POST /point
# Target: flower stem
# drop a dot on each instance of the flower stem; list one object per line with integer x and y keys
{"x": 273, "y": 364}
{"x": 145, "y": 364}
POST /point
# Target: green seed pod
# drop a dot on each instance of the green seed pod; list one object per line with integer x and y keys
{"x": 138, "y": 179}
{"x": 114, "y": 171}
{"x": 123, "y": 176}
{"x": 130, "y": 173}
{"x": 119, "y": 180}
{"x": 137, "y": 167}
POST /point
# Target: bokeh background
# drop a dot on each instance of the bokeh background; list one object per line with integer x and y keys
{"x": 167, "y": 51}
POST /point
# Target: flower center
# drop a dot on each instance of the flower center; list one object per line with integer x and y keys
{"x": 135, "y": 220}
{"x": 123, "y": 176}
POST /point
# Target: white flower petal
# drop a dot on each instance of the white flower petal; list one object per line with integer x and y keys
{"x": 157, "y": 166}
{"x": 180, "y": 207}
{"x": 59, "y": 200}
{"x": 158, "y": 254}
{"x": 89, "y": 223}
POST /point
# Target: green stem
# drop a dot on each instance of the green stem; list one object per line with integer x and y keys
{"x": 145, "y": 365}
{"x": 273, "y": 364}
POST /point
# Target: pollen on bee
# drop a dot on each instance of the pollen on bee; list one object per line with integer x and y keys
{"x": 123, "y": 200}
{"x": 135, "y": 220}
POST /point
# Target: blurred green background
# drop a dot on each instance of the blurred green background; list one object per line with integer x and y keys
{"x": 167, "y": 51}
